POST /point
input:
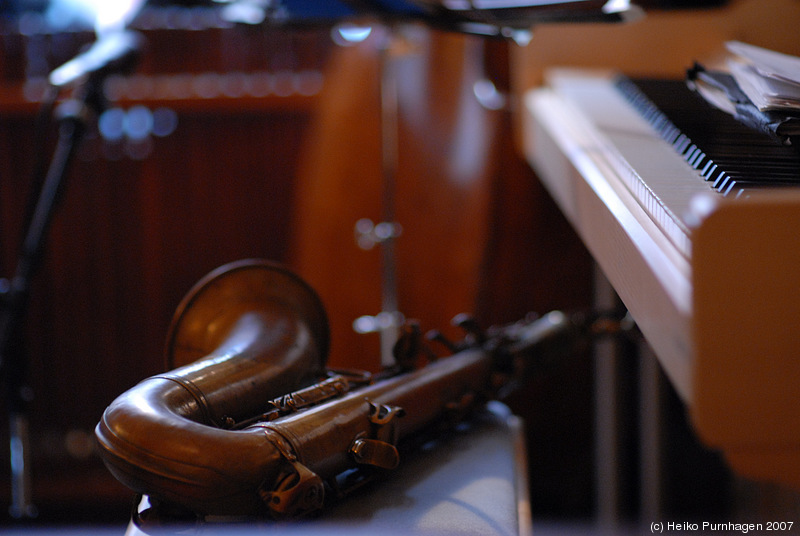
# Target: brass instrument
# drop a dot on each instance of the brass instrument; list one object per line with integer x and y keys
{"x": 220, "y": 435}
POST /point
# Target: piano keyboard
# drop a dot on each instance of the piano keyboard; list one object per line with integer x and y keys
{"x": 661, "y": 130}
{"x": 730, "y": 156}
{"x": 703, "y": 257}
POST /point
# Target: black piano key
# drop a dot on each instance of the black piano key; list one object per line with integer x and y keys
{"x": 694, "y": 156}
{"x": 723, "y": 182}
{"x": 682, "y": 143}
{"x": 730, "y": 156}
{"x": 720, "y": 181}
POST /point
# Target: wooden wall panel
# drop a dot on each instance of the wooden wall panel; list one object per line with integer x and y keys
{"x": 283, "y": 178}
{"x": 135, "y": 230}
{"x": 481, "y": 238}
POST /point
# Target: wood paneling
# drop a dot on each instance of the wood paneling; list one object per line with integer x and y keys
{"x": 139, "y": 223}
{"x": 284, "y": 177}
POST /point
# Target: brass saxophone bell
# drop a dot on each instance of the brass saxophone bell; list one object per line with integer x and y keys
{"x": 246, "y": 333}
{"x": 207, "y": 313}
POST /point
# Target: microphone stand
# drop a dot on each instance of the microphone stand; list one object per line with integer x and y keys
{"x": 72, "y": 117}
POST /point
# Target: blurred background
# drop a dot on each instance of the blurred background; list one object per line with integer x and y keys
{"x": 236, "y": 140}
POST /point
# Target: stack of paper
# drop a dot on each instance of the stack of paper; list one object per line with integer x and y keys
{"x": 770, "y": 79}
{"x": 761, "y": 89}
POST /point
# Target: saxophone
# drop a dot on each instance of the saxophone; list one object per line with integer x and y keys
{"x": 250, "y": 421}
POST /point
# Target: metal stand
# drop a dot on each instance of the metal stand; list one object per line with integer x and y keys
{"x": 389, "y": 321}
{"x": 115, "y": 52}
{"x": 72, "y": 116}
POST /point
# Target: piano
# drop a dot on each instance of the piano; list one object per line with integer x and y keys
{"x": 705, "y": 259}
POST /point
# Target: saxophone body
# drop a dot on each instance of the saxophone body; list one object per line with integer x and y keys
{"x": 251, "y": 422}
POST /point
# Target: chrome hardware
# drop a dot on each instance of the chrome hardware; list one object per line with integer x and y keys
{"x": 369, "y": 234}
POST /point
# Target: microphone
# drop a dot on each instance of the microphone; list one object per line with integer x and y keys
{"x": 113, "y": 52}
